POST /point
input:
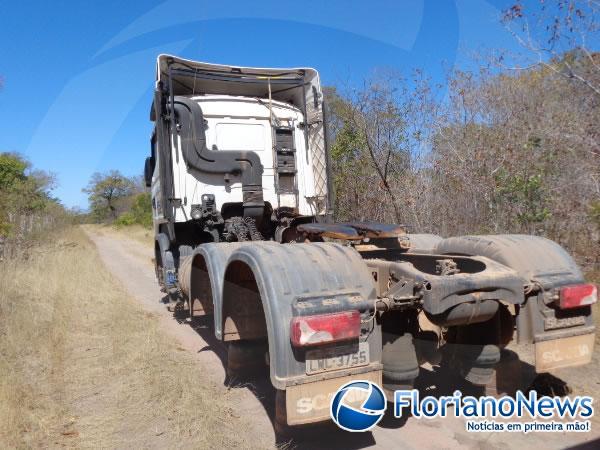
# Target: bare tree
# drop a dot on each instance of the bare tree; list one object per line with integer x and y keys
{"x": 511, "y": 152}
{"x": 557, "y": 36}
{"x": 377, "y": 134}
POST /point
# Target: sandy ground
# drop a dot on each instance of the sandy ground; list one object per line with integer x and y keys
{"x": 130, "y": 261}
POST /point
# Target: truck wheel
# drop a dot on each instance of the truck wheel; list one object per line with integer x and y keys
{"x": 185, "y": 251}
{"x": 470, "y": 357}
{"x": 473, "y": 350}
{"x": 399, "y": 355}
{"x": 509, "y": 375}
{"x": 164, "y": 263}
{"x": 400, "y": 365}
{"x": 165, "y": 269}
{"x": 246, "y": 358}
{"x": 282, "y": 429}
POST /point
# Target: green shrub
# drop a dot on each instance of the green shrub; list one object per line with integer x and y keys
{"x": 594, "y": 213}
{"x": 140, "y": 212}
{"x": 125, "y": 219}
{"x": 141, "y": 209}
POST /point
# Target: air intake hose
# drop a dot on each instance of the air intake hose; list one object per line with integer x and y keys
{"x": 190, "y": 120}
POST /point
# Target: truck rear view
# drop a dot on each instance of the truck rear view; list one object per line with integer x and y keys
{"x": 244, "y": 232}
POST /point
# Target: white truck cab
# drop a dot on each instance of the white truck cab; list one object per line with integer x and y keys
{"x": 237, "y": 154}
{"x": 234, "y": 123}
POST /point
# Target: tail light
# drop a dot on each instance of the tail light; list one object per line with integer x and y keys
{"x": 577, "y": 296}
{"x": 324, "y": 328}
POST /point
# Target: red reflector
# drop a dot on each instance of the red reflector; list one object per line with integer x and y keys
{"x": 312, "y": 330}
{"x": 578, "y": 295}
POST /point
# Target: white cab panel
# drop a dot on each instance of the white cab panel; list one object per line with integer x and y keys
{"x": 243, "y": 123}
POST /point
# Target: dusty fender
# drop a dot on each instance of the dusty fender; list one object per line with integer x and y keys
{"x": 201, "y": 277}
{"x": 534, "y": 258}
{"x": 561, "y": 339}
{"x": 305, "y": 279}
{"x": 423, "y": 243}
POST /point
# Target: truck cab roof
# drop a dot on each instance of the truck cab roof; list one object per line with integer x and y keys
{"x": 296, "y": 86}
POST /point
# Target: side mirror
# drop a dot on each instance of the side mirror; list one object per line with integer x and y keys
{"x": 148, "y": 170}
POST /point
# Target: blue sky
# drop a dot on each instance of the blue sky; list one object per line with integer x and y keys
{"x": 78, "y": 75}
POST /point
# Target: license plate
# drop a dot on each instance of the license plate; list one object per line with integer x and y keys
{"x": 319, "y": 361}
{"x": 566, "y": 352}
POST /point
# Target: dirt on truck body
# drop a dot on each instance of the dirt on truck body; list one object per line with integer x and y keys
{"x": 244, "y": 232}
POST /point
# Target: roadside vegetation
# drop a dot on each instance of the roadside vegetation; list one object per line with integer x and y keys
{"x": 118, "y": 200}
{"x": 27, "y": 208}
{"x": 83, "y": 365}
{"x": 503, "y": 153}
{"x": 511, "y": 147}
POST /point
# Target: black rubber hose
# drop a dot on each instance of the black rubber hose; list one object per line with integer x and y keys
{"x": 190, "y": 120}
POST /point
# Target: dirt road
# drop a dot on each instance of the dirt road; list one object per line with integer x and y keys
{"x": 130, "y": 262}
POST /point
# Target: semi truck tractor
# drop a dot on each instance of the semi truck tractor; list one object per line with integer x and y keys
{"x": 245, "y": 234}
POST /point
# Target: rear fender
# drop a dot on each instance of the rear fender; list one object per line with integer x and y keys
{"x": 212, "y": 257}
{"x": 304, "y": 279}
{"x": 536, "y": 259}
{"x": 543, "y": 266}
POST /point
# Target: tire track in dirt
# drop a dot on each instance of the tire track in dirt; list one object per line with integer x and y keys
{"x": 131, "y": 263}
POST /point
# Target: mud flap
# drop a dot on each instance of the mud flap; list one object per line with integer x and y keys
{"x": 310, "y": 402}
{"x": 565, "y": 352}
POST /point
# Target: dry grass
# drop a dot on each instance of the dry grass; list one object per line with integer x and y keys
{"x": 138, "y": 233}
{"x": 82, "y": 365}
{"x": 134, "y": 232}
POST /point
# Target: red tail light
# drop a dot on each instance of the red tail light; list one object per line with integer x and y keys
{"x": 577, "y": 296}
{"x": 324, "y": 328}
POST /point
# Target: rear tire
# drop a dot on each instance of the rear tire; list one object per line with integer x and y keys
{"x": 509, "y": 375}
{"x": 185, "y": 250}
{"x": 400, "y": 364}
{"x": 245, "y": 358}
{"x": 473, "y": 350}
{"x": 282, "y": 429}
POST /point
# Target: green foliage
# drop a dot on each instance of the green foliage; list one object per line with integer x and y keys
{"x": 350, "y": 165}
{"x": 142, "y": 209}
{"x": 526, "y": 194}
{"x": 125, "y": 219}
{"x": 347, "y": 145}
{"x": 12, "y": 171}
{"x": 116, "y": 198}
{"x": 368, "y": 138}
{"x": 140, "y": 213}
{"x": 23, "y": 192}
{"x": 594, "y": 213}
{"x": 21, "y": 188}
{"x": 105, "y": 191}
{"x": 5, "y": 227}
